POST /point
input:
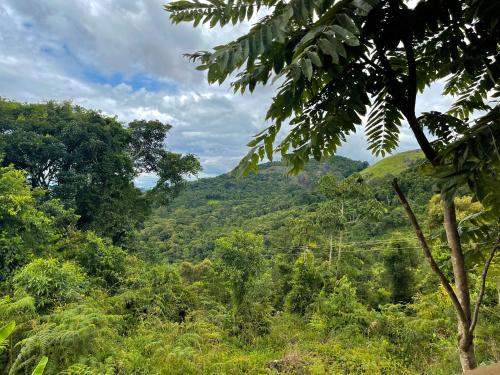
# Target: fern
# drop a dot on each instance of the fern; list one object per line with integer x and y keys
{"x": 78, "y": 369}
{"x": 66, "y": 336}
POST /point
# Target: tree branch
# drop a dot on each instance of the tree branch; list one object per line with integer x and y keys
{"x": 412, "y": 73}
{"x": 386, "y": 65}
{"x": 427, "y": 252}
{"x": 482, "y": 289}
{"x": 409, "y": 110}
{"x": 407, "y": 105}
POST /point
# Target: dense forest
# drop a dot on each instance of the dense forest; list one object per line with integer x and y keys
{"x": 298, "y": 261}
{"x": 269, "y": 273}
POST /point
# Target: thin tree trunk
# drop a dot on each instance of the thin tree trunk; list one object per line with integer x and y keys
{"x": 498, "y": 291}
{"x": 338, "y": 257}
{"x": 465, "y": 342}
{"x": 460, "y": 297}
{"x": 331, "y": 251}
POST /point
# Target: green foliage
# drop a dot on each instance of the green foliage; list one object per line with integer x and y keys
{"x": 67, "y": 336}
{"x": 51, "y": 282}
{"x": 5, "y": 333}
{"x": 153, "y": 291}
{"x": 399, "y": 266}
{"x": 259, "y": 304}
{"x": 342, "y": 208}
{"x": 40, "y": 368}
{"x": 30, "y": 226}
{"x": 340, "y": 310}
{"x": 239, "y": 259}
{"x": 306, "y": 284}
{"x": 334, "y": 61}
{"x": 97, "y": 257}
{"x": 263, "y": 203}
{"x": 394, "y": 164}
{"x": 24, "y": 228}
{"x": 89, "y": 161}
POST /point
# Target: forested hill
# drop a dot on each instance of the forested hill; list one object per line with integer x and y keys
{"x": 271, "y": 180}
{"x": 270, "y": 203}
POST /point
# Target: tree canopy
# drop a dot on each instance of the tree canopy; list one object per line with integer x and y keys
{"x": 89, "y": 161}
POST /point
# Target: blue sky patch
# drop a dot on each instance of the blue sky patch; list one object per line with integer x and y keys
{"x": 137, "y": 81}
{"x": 94, "y": 75}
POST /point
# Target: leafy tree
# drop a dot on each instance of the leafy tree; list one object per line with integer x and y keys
{"x": 97, "y": 256}
{"x": 50, "y": 282}
{"x": 400, "y": 265}
{"x": 148, "y": 291}
{"x": 342, "y": 210}
{"x": 25, "y": 229}
{"x": 89, "y": 161}
{"x": 239, "y": 256}
{"x": 337, "y": 60}
{"x": 306, "y": 284}
{"x": 340, "y": 310}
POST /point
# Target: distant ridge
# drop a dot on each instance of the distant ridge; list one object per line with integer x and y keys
{"x": 271, "y": 180}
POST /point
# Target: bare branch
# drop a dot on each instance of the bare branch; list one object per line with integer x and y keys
{"x": 483, "y": 286}
{"x": 427, "y": 252}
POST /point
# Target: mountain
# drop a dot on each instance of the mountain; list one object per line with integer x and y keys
{"x": 266, "y": 203}
{"x": 263, "y": 203}
{"x": 272, "y": 179}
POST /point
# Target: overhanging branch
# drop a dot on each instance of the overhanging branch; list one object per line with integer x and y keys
{"x": 409, "y": 105}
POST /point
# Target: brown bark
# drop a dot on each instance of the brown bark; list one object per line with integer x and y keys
{"x": 466, "y": 336}
{"x": 467, "y": 358}
{"x": 460, "y": 298}
{"x": 475, "y": 314}
{"x": 427, "y": 252}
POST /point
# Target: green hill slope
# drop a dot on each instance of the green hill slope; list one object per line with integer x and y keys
{"x": 263, "y": 203}
{"x": 394, "y": 164}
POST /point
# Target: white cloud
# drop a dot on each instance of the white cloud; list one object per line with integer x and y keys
{"x": 61, "y": 49}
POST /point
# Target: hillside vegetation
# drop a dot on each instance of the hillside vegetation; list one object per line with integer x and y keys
{"x": 267, "y": 274}
{"x": 393, "y": 164}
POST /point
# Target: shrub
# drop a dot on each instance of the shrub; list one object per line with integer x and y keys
{"x": 51, "y": 282}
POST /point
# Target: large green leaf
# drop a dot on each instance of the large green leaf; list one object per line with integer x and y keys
{"x": 5, "y": 333}
{"x": 40, "y": 368}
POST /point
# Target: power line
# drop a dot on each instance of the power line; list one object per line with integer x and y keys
{"x": 297, "y": 249}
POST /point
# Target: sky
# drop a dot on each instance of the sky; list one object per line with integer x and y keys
{"x": 124, "y": 57}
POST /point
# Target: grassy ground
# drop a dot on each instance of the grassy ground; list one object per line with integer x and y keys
{"x": 394, "y": 164}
